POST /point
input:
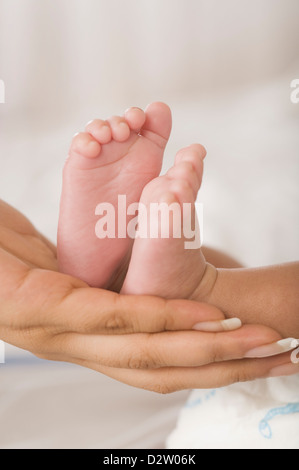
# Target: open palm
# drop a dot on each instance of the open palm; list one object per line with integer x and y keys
{"x": 146, "y": 342}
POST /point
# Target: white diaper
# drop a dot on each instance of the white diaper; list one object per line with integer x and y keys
{"x": 258, "y": 415}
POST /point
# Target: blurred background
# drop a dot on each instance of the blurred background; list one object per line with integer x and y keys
{"x": 225, "y": 68}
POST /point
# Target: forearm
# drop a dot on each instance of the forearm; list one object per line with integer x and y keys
{"x": 268, "y": 296}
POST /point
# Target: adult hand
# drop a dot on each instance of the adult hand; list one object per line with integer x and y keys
{"x": 146, "y": 342}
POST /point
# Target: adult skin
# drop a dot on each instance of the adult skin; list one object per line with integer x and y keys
{"x": 146, "y": 342}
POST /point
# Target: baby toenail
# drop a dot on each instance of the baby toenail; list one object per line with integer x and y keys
{"x": 124, "y": 126}
{"x": 133, "y": 109}
{"x": 94, "y": 145}
{"x": 105, "y": 128}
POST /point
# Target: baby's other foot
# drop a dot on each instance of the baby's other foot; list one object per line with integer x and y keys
{"x": 118, "y": 156}
{"x": 169, "y": 267}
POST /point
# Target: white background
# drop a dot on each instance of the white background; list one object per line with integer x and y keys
{"x": 225, "y": 68}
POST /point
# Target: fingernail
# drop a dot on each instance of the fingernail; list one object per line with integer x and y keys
{"x": 273, "y": 349}
{"x": 217, "y": 326}
{"x": 284, "y": 371}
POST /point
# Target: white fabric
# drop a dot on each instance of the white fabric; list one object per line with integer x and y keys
{"x": 259, "y": 415}
{"x": 225, "y": 68}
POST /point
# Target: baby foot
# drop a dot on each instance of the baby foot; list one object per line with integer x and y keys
{"x": 114, "y": 157}
{"x": 163, "y": 266}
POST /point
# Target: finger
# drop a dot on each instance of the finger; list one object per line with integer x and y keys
{"x": 58, "y": 303}
{"x": 102, "y": 312}
{"x": 170, "y": 380}
{"x": 168, "y": 349}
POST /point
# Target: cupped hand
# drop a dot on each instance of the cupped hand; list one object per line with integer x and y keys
{"x": 146, "y": 342}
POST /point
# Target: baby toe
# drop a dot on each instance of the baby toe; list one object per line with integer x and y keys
{"x": 182, "y": 190}
{"x": 120, "y": 129}
{"x": 85, "y": 145}
{"x": 185, "y": 171}
{"x": 194, "y": 154}
{"x": 135, "y": 118}
{"x": 100, "y": 130}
